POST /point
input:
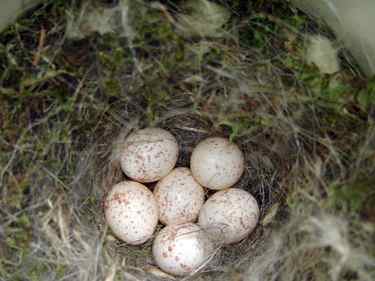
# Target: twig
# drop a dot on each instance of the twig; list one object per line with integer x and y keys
{"x": 42, "y": 39}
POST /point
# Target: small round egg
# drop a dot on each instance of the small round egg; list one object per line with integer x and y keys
{"x": 149, "y": 154}
{"x": 229, "y": 215}
{"x": 181, "y": 249}
{"x": 179, "y": 196}
{"x": 216, "y": 163}
{"x": 131, "y": 212}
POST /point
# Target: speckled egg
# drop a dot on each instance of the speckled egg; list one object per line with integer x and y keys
{"x": 216, "y": 163}
{"x": 179, "y": 196}
{"x": 149, "y": 154}
{"x": 229, "y": 215}
{"x": 182, "y": 249}
{"x": 131, "y": 212}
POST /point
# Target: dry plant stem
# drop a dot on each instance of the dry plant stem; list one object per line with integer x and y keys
{"x": 42, "y": 38}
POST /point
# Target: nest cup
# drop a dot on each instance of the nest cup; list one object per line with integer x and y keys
{"x": 261, "y": 178}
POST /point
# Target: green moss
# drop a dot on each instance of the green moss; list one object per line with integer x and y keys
{"x": 366, "y": 97}
{"x": 354, "y": 197}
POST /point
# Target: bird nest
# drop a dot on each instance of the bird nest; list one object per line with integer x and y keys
{"x": 76, "y": 85}
{"x": 262, "y": 178}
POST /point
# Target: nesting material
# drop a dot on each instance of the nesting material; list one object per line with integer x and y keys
{"x": 206, "y": 19}
{"x": 321, "y": 53}
{"x": 352, "y": 22}
{"x": 101, "y": 20}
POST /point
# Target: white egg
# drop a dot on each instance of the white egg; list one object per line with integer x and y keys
{"x": 216, "y": 163}
{"x": 131, "y": 212}
{"x": 179, "y": 197}
{"x": 182, "y": 249}
{"x": 149, "y": 154}
{"x": 229, "y": 215}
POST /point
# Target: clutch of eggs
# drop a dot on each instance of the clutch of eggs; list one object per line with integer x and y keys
{"x": 132, "y": 211}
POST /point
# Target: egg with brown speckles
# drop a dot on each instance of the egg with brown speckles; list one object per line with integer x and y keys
{"x": 182, "y": 249}
{"x": 229, "y": 215}
{"x": 131, "y": 212}
{"x": 179, "y": 196}
{"x": 217, "y": 163}
{"x": 149, "y": 154}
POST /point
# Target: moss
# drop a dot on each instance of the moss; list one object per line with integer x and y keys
{"x": 366, "y": 97}
{"x": 357, "y": 197}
